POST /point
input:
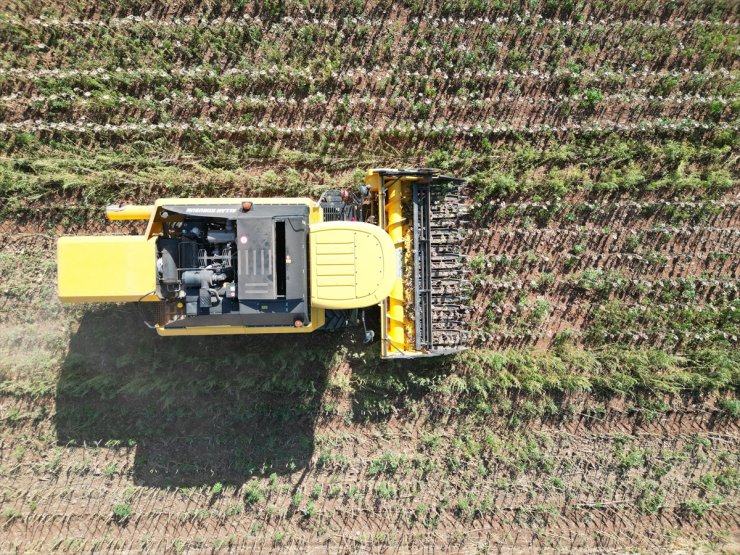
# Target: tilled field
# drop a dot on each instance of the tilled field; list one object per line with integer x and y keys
{"x": 597, "y": 410}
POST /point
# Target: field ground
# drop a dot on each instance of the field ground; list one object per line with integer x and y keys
{"x": 597, "y": 410}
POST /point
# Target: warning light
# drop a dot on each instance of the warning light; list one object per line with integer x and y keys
{"x": 246, "y": 206}
{"x": 298, "y": 323}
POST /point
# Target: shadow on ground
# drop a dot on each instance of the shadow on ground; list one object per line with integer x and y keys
{"x": 199, "y": 409}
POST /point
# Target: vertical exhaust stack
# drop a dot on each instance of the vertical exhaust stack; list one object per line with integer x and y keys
{"x": 424, "y": 213}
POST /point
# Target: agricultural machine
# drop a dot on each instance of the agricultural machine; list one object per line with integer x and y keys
{"x": 290, "y": 265}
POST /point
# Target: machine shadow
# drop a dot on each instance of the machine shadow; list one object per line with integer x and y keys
{"x": 197, "y": 410}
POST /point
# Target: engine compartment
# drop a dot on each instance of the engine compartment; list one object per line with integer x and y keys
{"x": 224, "y": 265}
{"x": 197, "y": 253}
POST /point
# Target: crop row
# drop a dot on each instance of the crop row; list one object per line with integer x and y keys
{"x": 558, "y": 259}
{"x": 534, "y": 247}
{"x": 613, "y": 205}
{"x": 579, "y": 255}
{"x": 573, "y": 216}
{"x": 543, "y": 294}
{"x": 398, "y": 129}
{"x": 614, "y": 212}
{"x": 587, "y": 281}
{"x": 537, "y": 310}
{"x": 656, "y": 257}
{"x": 507, "y": 308}
{"x": 366, "y": 101}
{"x": 275, "y": 72}
{"x": 600, "y": 284}
{"x": 560, "y": 101}
{"x": 719, "y": 260}
{"x": 427, "y": 65}
{"x": 115, "y": 110}
{"x": 573, "y": 9}
{"x": 663, "y": 229}
{"x": 334, "y": 23}
{"x": 656, "y": 337}
{"x": 441, "y": 89}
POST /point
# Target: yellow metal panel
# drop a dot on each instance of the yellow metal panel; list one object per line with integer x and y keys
{"x": 153, "y": 227}
{"x": 373, "y": 180}
{"x": 336, "y": 249}
{"x": 392, "y": 194}
{"x": 336, "y": 274}
{"x": 337, "y": 294}
{"x": 339, "y": 259}
{"x": 396, "y": 224}
{"x": 131, "y": 212}
{"x": 330, "y": 282}
{"x": 266, "y": 200}
{"x": 353, "y": 264}
{"x": 106, "y": 268}
{"x": 317, "y": 320}
{"x": 366, "y": 246}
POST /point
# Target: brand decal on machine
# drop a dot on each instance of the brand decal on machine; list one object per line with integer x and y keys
{"x": 206, "y": 210}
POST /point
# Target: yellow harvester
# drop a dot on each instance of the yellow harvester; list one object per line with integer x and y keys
{"x": 289, "y": 265}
